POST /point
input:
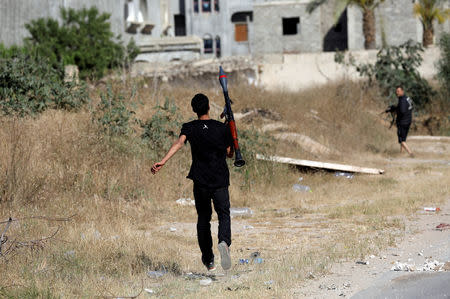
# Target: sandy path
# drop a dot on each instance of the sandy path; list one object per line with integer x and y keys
{"x": 421, "y": 241}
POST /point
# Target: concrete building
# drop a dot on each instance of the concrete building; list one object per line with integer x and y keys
{"x": 168, "y": 30}
{"x": 151, "y": 23}
{"x": 225, "y": 26}
{"x": 284, "y": 26}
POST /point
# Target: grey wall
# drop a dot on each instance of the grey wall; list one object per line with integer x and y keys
{"x": 268, "y": 28}
{"x": 219, "y": 24}
{"x": 14, "y": 14}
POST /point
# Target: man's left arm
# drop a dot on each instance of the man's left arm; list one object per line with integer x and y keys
{"x": 172, "y": 151}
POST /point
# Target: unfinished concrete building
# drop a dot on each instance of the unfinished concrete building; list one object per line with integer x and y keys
{"x": 284, "y": 26}
{"x": 153, "y": 24}
{"x": 168, "y": 30}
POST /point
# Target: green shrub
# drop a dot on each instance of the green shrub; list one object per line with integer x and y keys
{"x": 165, "y": 124}
{"x": 396, "y": 65}
{"x": 444, "y": 63}
{"x": 114, "y": 114}
{"x": 84, "y": 38}
{"x": 13, "y": 51}
{"x": 29, "y": 85}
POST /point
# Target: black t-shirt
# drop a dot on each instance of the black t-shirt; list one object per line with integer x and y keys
{"x": 209, "y": 140}
{"x": 404, "y": 111}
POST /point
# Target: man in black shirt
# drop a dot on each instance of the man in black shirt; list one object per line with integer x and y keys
{"x": 210, "y": 142}
{"x": 404, "y": 118}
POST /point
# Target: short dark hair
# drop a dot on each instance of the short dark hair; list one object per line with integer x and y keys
{"x": 400, "y": 86}
{"x": 200, "y": 104}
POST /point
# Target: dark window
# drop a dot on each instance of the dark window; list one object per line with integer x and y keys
{"x": 180, "y": 25}
{"x": 216, "y": 5}
{"x": 290, "y": 26}
{"x": 218, "y": 54}
{"x": 207, "y": 45}
{"x": 195, "y": 5}
{"x": 206, "y": 5}
{"x": 240, "y": 32}
{"x": 241, "y": 17}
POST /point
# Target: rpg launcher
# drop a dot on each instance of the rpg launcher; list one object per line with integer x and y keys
{"x": 392, "y": 109}
{"x": 228, "y": 113}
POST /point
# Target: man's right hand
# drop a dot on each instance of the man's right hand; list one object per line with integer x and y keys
{"x": 157, "y": 167}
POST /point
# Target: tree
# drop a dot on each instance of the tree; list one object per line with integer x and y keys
{"x": 429, "y": 11}
{"x": 368, "y": 10}
{"x": 395, "y": 65}
{"x": 84, "y": 38}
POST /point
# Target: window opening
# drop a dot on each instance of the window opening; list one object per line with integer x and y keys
{"x": 207, "y": 45}
{"x": 206, "y": 5}
{"x": 195, "y": 5}
{"x": 180, "y": 25}
{"x": 218, "y": 53}
{"x": 291, "y": 26}
{"x": 216, "y": 5}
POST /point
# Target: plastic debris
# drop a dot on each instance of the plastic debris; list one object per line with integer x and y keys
{"x": 240, "y": 211}
{"x": 443, "y": 226}
{"x": 69, "y": 254}
{"x": 301, "y": 188}
{"x": 185, "y": 202}
{"x": 431, "y": 209}
{"x": 173, "y": 229}
{"x": 248, "y": 227}
{"x": 427, "y": 266}
{"x": 149, "y": 291}
{"x": 205, "y": 282}
{"x": 346, "y": 175}
{"x": 362, "y": 262}
{"x": 310, "y": 276}
{"x": 268, "y": 282}
{"x": 258, "y": 260}
{"x": 243, "y": 261}
{"x": 156, "y": 274}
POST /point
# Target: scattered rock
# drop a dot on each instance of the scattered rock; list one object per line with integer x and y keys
{"x": 446, "y": 266}
{"x": 205, "y": 282}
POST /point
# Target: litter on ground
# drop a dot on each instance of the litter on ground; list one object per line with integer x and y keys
{"x": 240, "y": 211}
{"x": 185, "y": 202}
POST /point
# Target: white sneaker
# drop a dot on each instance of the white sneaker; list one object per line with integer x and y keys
{"x": 225, "y": 258}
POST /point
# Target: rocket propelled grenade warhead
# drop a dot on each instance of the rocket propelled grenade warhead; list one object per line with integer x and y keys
{"x": 223, "y": 79}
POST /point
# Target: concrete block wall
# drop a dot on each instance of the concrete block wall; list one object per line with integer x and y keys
{"x": 268, "y": 28}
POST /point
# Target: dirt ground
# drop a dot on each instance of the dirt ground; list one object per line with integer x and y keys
{"x": 280, "y": 234}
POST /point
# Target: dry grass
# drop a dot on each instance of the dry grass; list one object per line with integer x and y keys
{"x": 60, "y": 163}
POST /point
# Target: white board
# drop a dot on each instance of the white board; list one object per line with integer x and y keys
{"x": 317, "y": 164}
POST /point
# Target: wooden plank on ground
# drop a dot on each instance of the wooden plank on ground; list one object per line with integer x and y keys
{"x": 430, "y": 138}
{"x": 317, "y": 164}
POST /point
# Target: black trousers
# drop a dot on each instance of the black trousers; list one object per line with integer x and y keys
{"x": 221, "y": 200}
